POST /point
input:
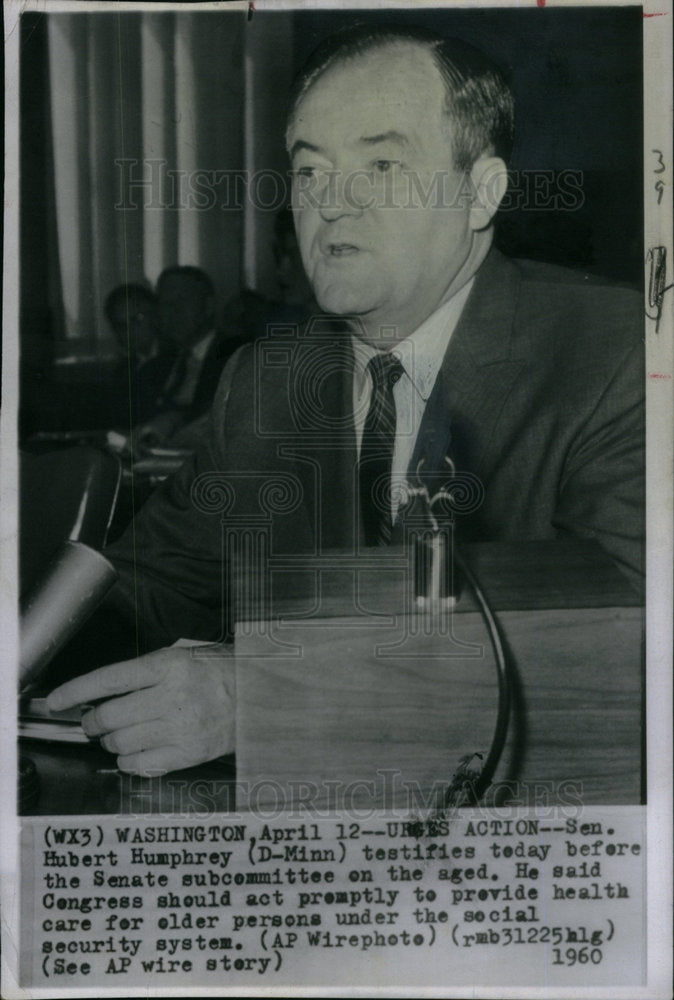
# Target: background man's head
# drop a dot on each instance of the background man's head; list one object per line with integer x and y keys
{"x": 186, "y": 299}
{"x": 131, "y": 311}
{"x": 397, "y": 140}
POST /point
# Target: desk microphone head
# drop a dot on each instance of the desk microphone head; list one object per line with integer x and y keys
{"x": 71, "y": 590}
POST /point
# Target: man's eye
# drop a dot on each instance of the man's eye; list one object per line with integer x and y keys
{"x": 383, "y": 166}
{"x": 305, "y": 171}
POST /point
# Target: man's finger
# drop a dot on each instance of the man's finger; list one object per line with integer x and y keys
{"x": 152, "y": 762}
{"x": 132, "y": 739}
{"x": 128, "y": 710}
{"x": 117, "y": 678}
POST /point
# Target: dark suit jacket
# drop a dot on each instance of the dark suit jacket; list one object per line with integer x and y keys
{"x": 220, "y": 350}
{"x": 137, "y": 389}
{"x": 540, "y": 396}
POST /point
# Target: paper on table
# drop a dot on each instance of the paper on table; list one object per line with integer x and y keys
{"x": 37, "y": 722}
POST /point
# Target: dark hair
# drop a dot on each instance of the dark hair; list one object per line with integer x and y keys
{"x": 479, "y": 101}
{"x": 127, "y": 293}
{"x": 194, "y": 274}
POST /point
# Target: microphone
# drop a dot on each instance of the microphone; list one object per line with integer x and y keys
{"x": 75, "y": 583}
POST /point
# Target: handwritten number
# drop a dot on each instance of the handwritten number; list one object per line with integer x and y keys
{"x": 659, "y": 185}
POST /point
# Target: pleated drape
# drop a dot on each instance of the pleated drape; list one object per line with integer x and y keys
{"x": 147, "y": 125}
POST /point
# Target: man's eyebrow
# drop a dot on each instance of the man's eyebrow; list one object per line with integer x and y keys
{"x": 398, "y": 138}
{"x": 300, "y": 144}
{"x": 391, "y": 136}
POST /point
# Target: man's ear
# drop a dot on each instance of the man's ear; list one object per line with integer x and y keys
{"x": 489, "y": 180}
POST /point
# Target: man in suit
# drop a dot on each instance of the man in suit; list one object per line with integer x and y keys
{"x": 526, "y": 377}
{"x": 146, "y": 358}
{"x": 186, "y": 316}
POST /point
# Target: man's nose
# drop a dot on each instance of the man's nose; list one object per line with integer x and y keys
{"x": 345, "y": 194}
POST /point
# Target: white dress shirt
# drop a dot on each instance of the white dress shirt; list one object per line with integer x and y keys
{"x": 421, "y": 355}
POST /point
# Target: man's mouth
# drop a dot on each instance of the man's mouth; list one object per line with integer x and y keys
{"x": 341, "y": 249}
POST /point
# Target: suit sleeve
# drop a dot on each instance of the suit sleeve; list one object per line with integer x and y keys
{"x": 172, "y": 580}
{"x": 602, "y": 493}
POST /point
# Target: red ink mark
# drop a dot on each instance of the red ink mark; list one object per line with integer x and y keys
{"x": 663, "y": 14}
{"x": 658, "y": 375}
{"x": 540, "y": 3}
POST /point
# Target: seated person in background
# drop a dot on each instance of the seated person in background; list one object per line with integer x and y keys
{"x": 249, "y": 315}
{"x": 145, "y": 357}
{"x": 186, "y": 312}
{"x": 528, "y": 377}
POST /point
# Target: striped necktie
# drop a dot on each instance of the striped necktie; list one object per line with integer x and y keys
{"x": 376, "y": 450}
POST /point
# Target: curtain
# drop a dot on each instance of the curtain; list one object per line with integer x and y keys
{"x": 147, "y": 128}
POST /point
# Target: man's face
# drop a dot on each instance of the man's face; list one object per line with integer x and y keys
{"x": 135, "y": 325}
{"x": 185, "y": 309}
{"x": 381, "y": 213}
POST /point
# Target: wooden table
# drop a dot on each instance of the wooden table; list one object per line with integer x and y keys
{"x": 373, "y": 703}
{"x": 347, "y": 697}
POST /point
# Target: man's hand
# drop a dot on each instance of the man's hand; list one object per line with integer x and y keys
{"x": 175, "y": 709}
{"x": 157, "y": 431}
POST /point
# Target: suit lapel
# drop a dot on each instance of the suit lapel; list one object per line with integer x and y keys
{"x": 477, "y": 373}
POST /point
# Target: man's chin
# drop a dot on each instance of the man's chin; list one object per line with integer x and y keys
{"x": 340, "y": 301}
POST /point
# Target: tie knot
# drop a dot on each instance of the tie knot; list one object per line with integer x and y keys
{"x": 385, "y": 369}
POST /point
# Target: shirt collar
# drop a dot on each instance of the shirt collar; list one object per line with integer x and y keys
{"x": 421, "y": 352}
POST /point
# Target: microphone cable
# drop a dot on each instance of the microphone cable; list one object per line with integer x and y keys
{"x": 464, "y": 782}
